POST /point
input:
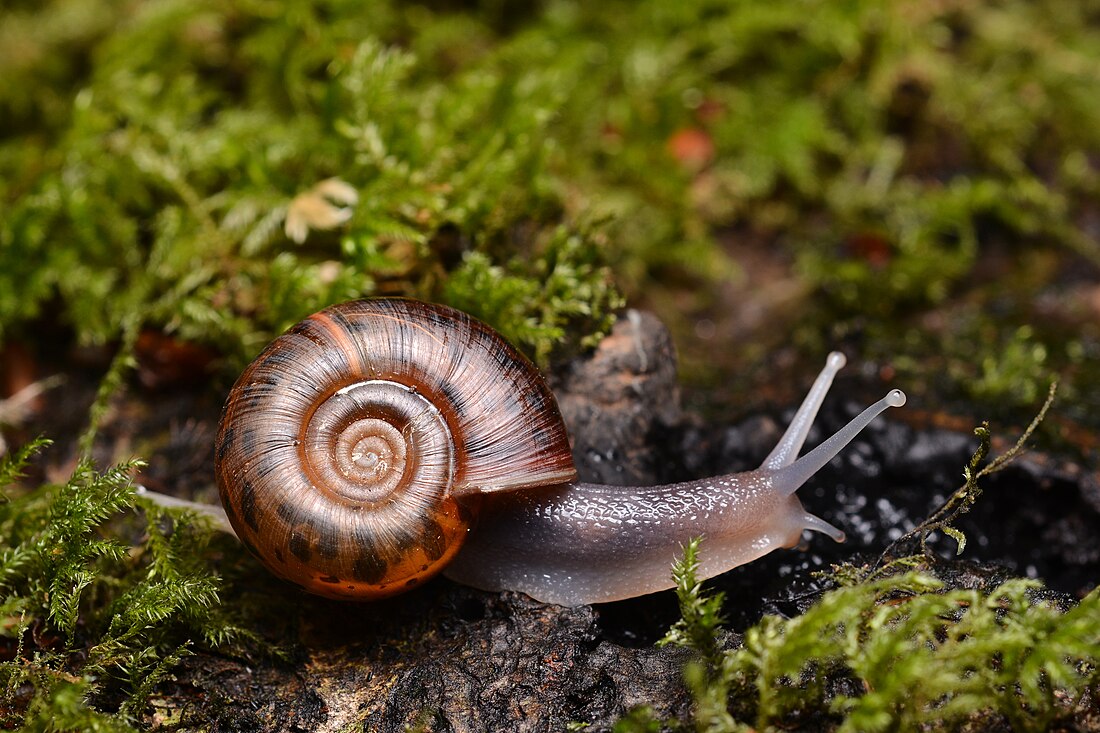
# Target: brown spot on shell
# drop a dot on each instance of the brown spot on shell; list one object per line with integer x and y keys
{"x": 248, "y": 504}
{"x": 432, "y": 540}
{"x": 369, "y": 568}
{"x": 299, "y": 546}
{"x": 224, "y": 443}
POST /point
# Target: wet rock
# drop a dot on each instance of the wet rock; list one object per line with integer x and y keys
{"x": 450, "y": 659}
{"x": 622, "y": 402}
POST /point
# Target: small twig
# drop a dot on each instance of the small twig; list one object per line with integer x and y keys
{"x": 215, "y": 513}
{"x": 16, "y": 409}
{"x": 959, "y": 503}
{"x": 1003, "y": 460}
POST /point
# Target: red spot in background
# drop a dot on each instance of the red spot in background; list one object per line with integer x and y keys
{"x": 871, "y": 247}
{"x": 709, "y": 111}
{"x": 692, "y": 147}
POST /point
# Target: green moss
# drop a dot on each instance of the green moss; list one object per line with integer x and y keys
{"x": 171, "y": 185}
{"x": 151, "y": 157}
{"x": 105, "y": 615}
{"x": 920, "y": 655}
{"x": 565, "y": 290}
{"x": 1015, "y": 372}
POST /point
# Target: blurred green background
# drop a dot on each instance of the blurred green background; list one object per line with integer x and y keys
{"x": 915, "y": 182}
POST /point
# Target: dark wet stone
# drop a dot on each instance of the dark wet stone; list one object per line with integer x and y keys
{"x": 622, "y": 403}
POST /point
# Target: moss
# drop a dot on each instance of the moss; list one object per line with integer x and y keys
{"x": 151, "y": 159}
{"x": 564, "y": 291}
{"x": 917, "y": 654}
{"x": 173, "y": 185}
{"x": 87, "y": 614}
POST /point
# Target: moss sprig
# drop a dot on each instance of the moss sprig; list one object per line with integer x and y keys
{"x": 565, "y": 289}
{"x": 85, "y": 612}
{"x": 700, "y": 613}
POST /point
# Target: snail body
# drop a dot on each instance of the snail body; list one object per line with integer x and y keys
{"x": 379, "y": 442}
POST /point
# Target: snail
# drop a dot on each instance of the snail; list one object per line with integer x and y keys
{"x": 379, "y": 442}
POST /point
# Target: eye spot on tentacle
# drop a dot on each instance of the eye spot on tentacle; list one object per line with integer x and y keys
{"x": 279, "y": 555}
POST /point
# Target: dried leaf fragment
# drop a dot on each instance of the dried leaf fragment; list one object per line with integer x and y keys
{"x": 325, "y": 206}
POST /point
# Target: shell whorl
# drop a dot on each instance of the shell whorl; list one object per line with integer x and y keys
{"x": 347, "y": 447}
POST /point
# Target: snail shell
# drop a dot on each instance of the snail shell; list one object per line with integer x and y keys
{"x": 352, "y": 450}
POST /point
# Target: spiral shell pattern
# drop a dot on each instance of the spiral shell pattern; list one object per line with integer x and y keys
{"x": 351, "y": 451}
